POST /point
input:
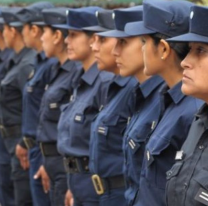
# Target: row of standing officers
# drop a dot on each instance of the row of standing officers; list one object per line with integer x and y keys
{"x": 102, "y": 107}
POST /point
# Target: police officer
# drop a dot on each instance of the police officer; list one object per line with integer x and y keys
{"x": 187, "y": 180}
{"x": 176, "y": 109}
{"x": 106, "y": 156}
{"x": 128, "y": 53}
{"x": 6, "y": 184}
{"x": 88, "y": 97}
{"x": 57, "y": 92}
{"x": 34, "y": 89}
{"x": 12, "y": 86}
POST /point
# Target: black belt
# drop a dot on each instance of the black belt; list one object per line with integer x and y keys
{"x": 76, "y": 164}
{"x": 102, "y": 185}
{"x": 11, "y": 131}
{"x": 49, "y": 149}
{"x": 29, "y": 142}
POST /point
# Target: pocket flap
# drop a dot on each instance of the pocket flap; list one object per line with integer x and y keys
{"x": 202, "y": 178}
{"x": 174, "y": 170}
{"x": 157, "y": 145}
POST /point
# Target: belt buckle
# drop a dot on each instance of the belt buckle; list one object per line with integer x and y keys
{"x": 3, "y": 131}
{"x": 98, "y": 185}
{"x": 27, "y": 143}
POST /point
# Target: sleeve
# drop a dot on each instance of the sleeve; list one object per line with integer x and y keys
{"x": 26, "y": 73}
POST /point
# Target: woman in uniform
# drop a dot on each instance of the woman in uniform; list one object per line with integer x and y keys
{"x": 57, "y": 92}
{"x": 187, "y": 180}
{"x": 163, "y": 19}
{"x": 88, "y": 97}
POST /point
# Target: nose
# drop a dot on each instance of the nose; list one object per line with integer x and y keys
{"x": 115, "y": 51}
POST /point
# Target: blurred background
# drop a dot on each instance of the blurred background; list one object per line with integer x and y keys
{"x": 79, "y": 3}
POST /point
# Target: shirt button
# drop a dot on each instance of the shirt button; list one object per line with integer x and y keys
{"x": 201, "y": 147}
{"x": 185, "y": 185}
{"x": 169, "y": 173}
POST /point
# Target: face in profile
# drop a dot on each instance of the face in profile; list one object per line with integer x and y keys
{"x": 102, "y": 48}
{"x": 48, "y": 39}
{"x": 195, "y": 74}
{"x": 128, "y": 54}
{"x": 78, "y": 45}
{"x": 8, "y": 34}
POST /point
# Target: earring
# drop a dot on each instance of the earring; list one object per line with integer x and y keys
{"x": 91, "y": 45}
{"x": 162, "y": 58}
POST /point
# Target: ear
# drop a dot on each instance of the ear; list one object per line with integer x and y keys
{"x": 57, "y": 37}
{"x": 92, "y": 39}
{"x": 35, "y": 31}
{"x": 164, "y": 49}
{"x": 13, "y": 32}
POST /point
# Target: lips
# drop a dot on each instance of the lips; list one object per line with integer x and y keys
{"x": 185, "y": 76}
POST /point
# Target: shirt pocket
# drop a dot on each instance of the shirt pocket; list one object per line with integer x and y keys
{"x": 157, "y": 161}
{"x": 136, "y": 147}
{"x": 111, "y": 129}
{"x": 199, "y": 188}
{"x": 53, "y": 113}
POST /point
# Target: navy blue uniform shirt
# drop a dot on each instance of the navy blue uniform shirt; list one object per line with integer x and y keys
{"x": 136, "y": 135}
{"x": 106, "y": 155}
{"x": 12, "y": 86}
{"x": 58, "y": 92}
{"x": 187, "y": 180}
{"x": 75, "y": 122}
{"x": 5, "y": 57}
{"x": 33, "y": 93}
{"x": 166, "y": 139}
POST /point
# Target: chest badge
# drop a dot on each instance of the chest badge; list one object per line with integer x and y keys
{"x": 32, "y": 73}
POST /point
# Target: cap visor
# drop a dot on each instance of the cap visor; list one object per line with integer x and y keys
{"x": 65, "y": 26}
{"x": 39, "y": 23}
{"x": 113, "y": 33}
{"x": 95, "y": 28}
{"x": 189, "y": 37}
{"x": 16, "y": 24}
{"x": 137, "y": 29}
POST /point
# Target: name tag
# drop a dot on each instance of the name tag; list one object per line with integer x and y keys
{"x": 31, "y": 74}
{"x": 79, "y": 118}
{"x": 46, "y": 87}
{"x": 29, "y": 89}
{"x": 53, "y": 105}
{"x": 154, "y": 123}
{"x": 179, "y": 155}
{"x": 150, "y": 158}
{"x": 103, "y": 130}
{"x": 202, "y": 196}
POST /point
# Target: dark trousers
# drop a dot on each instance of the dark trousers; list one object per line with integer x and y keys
{"x": 6, "y": 186}
{"x": 82, "y": 189}
{"x": 58, "y": 182}
{"x": 114, "y": 197}
{"x": 40, "y": 198}
{"x": 19, "y": 176}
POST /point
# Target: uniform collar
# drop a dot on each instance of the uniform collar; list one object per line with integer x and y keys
{"x": 149, "y": 85}
{"x": 41, "y": 56}
{"x": 122, "y": 81}
{"x": 20, "y": 55}
{"x": 67, "y": 65}
{"x": 203, "y": 114}
{"x": 176, "y": 93}
{"x": 91, "y": 74}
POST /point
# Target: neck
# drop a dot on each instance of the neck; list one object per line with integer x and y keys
{"x": 88, "y": 62}
{"x": 18, "y": 45}
{"x": 141, "y": 76}
{"x": 2, "y": 45}
{"x": 38, "y": 46}
{"x": 172, "y": 76}
{"x": 116, "y": 71}
{"x": 62, "y": 57}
